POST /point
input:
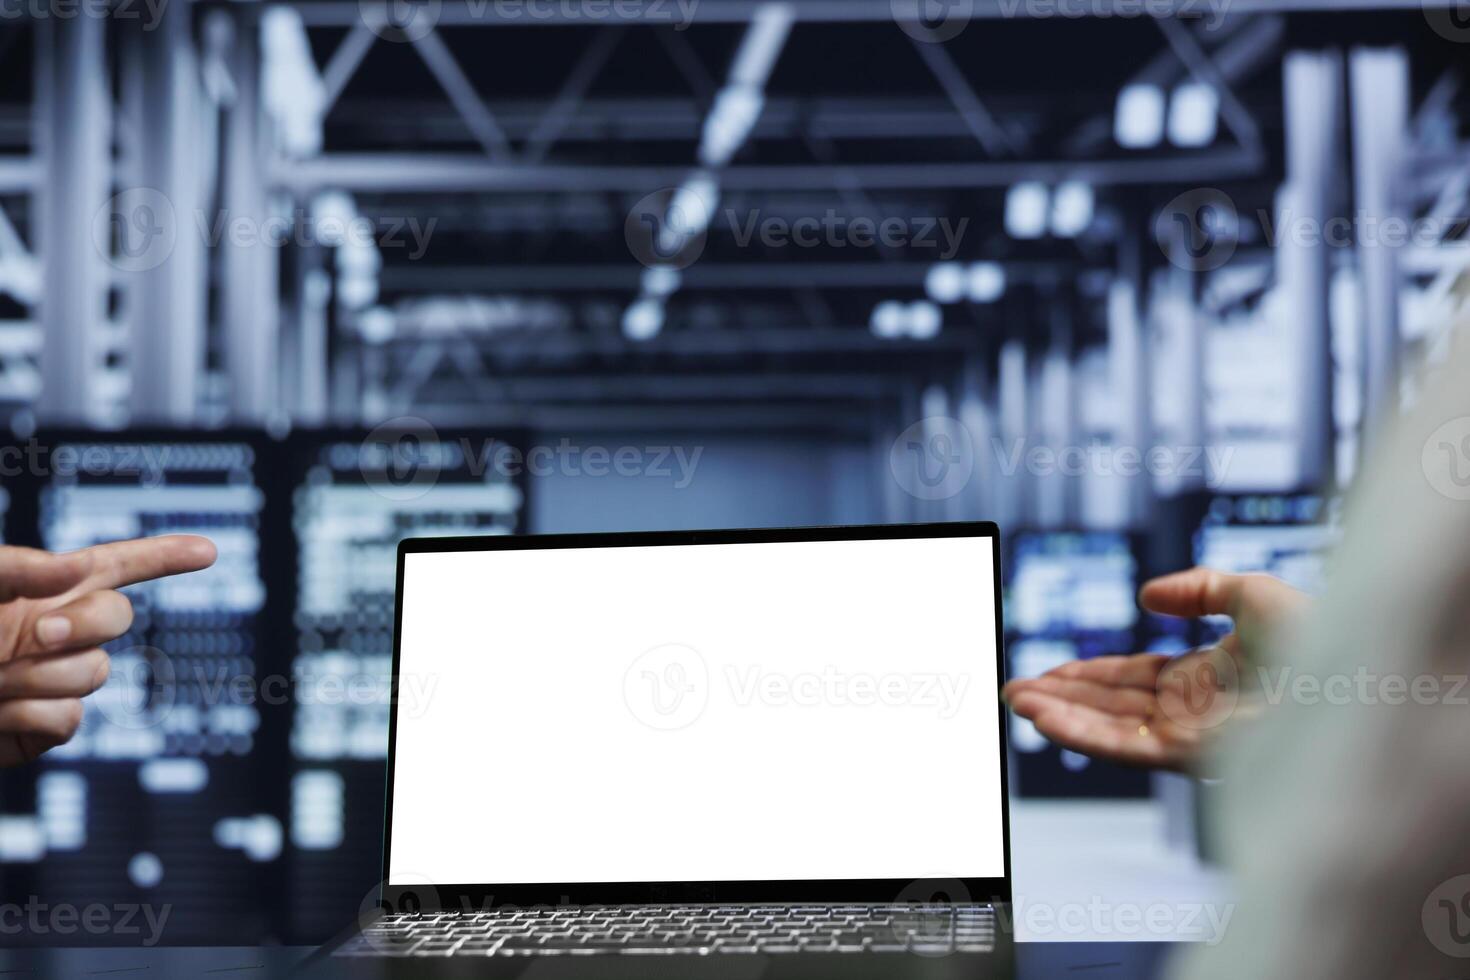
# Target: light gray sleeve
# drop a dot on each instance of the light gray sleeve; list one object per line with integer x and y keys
{"x": 1346, "y": 816}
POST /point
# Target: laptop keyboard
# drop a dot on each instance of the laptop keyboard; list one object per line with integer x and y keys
{"x": 698, "y": 930}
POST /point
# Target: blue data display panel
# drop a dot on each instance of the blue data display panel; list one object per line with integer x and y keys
{"x": 238, "y": 748}
{"x": 1069, "y": 596}
{"x": 352, "y": 502}
{"x": 1288, "y": 536}
{"x": 155, "y": 804}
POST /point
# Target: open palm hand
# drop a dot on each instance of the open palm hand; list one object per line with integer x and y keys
{"x": 1153, "y": 710}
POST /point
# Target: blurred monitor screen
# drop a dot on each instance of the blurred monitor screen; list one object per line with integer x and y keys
{"x": 1285, "y": 535}
{"x": 352, "y": 500}
{"x": 232, "y": 765}
{"x": 1069, "y": 595}
{"x": 157, "y": 800}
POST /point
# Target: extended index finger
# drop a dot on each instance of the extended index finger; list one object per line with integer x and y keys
{"x": 1193, "y": 593}
{"x": 121, "y": 563}
{"x": 1206, "y": 592}
{"x": 37, "y": 574}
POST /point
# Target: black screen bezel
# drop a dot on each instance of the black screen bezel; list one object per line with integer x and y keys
{"x": 462, "y": 896}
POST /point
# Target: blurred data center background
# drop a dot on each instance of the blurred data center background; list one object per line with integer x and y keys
{"x": 1130, "y": 277}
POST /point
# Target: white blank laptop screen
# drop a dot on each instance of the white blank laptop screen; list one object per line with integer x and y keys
{"x": 721, "y": 712}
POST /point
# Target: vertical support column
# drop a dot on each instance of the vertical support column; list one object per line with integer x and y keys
{"x": 1049, "y": 410}
{"x": 304, "y": 336}
{"x": 250, "y": 269}
{"x": 1056, "y": 416}
{"x": 344, "y": 354}
{"x": 1380, "y": 107}
{"x": 74, "y": 137}
{"x": 168, "y": 322}
{"x": 901, "y": 502}
{"x": 1128, "y": 365}
{"x": 1012, "y": 487}
{"x": 1069, "y": 314}
{"x": 892, "y": 501}
{"x": 1189, "y": 333}
{"x": 933, "y": 409}
{"x": 977, "y": 415}
{"x": 1312, "y": 86}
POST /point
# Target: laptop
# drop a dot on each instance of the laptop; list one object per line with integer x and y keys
{"x": 729, "y": 753}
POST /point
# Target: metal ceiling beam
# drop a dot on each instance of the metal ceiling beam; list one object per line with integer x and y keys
{"x": 754, "y": 386}
{"x": 687, "y": 61}
{"x": 1237, "y": 56}
{"x": 446, "y": 172}
{"x": 467, "y": 102}
{"x": 716, "y": 343}
{"x": 484, "y": 13}
{"x": 345, "y": 60}
{"x": 601, "y": 119}
{"x": 19, "y": 174}
{"x": 702, "y": 275}
{"x": 782, "y": 419}
{"x": 1206, "y": 70}
{"x": 563, "y": 109}
{"x": 987, "y": 130}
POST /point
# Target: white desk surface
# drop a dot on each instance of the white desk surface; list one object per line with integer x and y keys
{"x": 1100, "y": 871}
